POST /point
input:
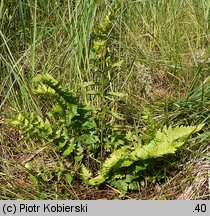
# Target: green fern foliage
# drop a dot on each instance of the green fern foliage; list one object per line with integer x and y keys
{"x": 73, "y": 129}
{"x": 68, "y": 124}
{"x": 166, "y": 141}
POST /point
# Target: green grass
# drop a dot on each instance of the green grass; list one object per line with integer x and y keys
{"x": 164, "y": 46}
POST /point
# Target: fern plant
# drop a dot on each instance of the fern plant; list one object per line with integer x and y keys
{"x": 74, "y": 131}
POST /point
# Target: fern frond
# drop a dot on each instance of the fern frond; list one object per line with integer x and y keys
{"x": 165, "y": 142}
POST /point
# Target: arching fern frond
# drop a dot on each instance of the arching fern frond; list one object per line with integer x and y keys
{"x": 165, "y": 142}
